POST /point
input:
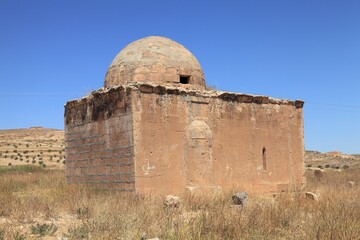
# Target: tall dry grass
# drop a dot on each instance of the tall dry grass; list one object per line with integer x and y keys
{"x": 37, "y": 196}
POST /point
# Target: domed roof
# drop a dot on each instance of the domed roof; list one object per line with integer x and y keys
{"x": 157, "y": 60}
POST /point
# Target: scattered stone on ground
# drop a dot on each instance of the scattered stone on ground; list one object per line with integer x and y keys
{"x": 351, "y": 184}
{"x": 318, "y": 173}
{"x": 172, "y": 201}
{"x": 240, "y": 198}
{"x": 312, "y": 196}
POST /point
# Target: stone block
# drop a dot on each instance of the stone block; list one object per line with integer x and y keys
{"x": 312, "y": 196}
{"x": 171, "y": 201}
{"x": 239, "y": 198}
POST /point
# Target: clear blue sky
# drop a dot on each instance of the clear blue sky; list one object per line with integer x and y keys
{"x": 52, "y": 51}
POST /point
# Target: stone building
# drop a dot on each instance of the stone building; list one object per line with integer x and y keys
{"x": 155, "y": 128}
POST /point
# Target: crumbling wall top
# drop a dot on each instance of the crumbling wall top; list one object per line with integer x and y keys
{"x": 150, "y": 88}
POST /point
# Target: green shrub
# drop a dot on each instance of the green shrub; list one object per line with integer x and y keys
{"x": 83, "y": 213}
{"x": 81, "y": 232}
{"x": 43, "y": 229}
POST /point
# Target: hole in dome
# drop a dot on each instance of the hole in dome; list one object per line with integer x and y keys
{"x": 184, "y": 79}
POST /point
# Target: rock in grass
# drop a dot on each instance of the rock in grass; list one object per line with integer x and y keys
{"x": 240, "y": 198}
{"x": 312, "y": 196}
{"x": 172, "y": 201}
{"x": 351, "y": 184}
{"x": 318, "y": 173}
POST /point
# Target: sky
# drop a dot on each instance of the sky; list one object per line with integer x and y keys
{"x": 53, "y": 51}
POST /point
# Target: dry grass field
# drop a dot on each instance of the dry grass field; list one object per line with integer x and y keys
{"x": 37, "y": 203}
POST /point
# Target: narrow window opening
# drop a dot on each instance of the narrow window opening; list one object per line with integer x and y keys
{"x": 264, "y": 158}
{"x": 184, "y": 79}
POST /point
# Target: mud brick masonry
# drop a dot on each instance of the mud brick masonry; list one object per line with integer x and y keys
{"x": 154, "y": 128}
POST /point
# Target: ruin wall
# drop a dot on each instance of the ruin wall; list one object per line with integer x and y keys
{"x": 187, "y": 139}
{"x": 99, "y": 145}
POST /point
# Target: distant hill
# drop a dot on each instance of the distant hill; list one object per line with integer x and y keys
{"x": 331, "y": 159}
{"x": 35, "y": 145}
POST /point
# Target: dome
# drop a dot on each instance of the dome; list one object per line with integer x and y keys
{"x": 156, "y": 60}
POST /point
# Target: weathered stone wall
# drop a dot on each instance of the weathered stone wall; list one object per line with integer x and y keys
{"x": 99, "y": 140}
{"x": 166, "y": 140}
{"x": 204, "y": 140}
{"x": 160, "y": 123}
{"x": 257, "y": 146}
